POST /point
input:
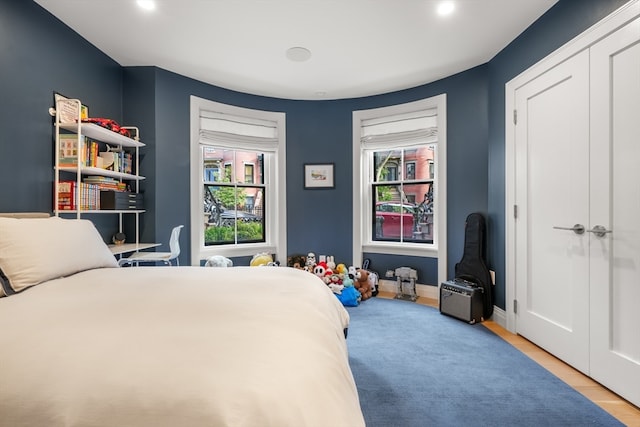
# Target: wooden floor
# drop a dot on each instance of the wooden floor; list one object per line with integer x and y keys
{"x": 624, "y": 411}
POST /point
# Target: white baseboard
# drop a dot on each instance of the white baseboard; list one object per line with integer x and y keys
{"x": 499, "y": 316}
{"x": 426, "y": 291}
{"x": 433, "y": 292}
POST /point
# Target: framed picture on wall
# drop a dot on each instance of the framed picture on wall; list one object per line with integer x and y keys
{"x": 318, "y": 175}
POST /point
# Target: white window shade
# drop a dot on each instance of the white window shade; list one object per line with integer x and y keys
{"x": 238, "y": 133}
{"x": 389, "y": 132}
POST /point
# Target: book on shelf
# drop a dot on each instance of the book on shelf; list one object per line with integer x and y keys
{"x": 71, "y": 197}
{"x": 68, "y": 151}
{"x": 106, "y": 183}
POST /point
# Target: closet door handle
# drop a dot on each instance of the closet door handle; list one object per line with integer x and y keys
{"x": 599, "y": 231}
{"x": 578, "y": 228}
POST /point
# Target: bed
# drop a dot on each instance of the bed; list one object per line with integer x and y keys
{"x": 84, "y": 342}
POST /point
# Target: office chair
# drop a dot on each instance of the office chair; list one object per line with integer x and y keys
{"x": 165, "y": 257}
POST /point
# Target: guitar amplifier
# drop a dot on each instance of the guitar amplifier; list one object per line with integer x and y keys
{"x": 462, "y": 299}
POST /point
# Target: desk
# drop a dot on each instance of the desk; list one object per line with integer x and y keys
{"x": 130, "y": 247}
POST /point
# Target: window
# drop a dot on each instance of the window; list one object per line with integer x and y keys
{"x": 229, "y": 219}
{"x": 236, "y": 184}
{"x": 399, "y": 170}
{"x": 403, "y": 205}
{"x": 248, "y": 173}
{"x": 411, "y": 169}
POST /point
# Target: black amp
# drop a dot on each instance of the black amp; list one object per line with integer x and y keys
{"x": 462, "y": 299}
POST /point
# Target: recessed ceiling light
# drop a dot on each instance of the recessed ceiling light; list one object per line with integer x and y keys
{"x": 146, "y": 4}
{"x": 298, "y": 54}
{"x": 446, "y": 8}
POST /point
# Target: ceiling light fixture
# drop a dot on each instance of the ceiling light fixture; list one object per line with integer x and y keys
{"x": 298, "y": 54}
{"x": 146, "y": 4}
{"x": 446, "y": 8}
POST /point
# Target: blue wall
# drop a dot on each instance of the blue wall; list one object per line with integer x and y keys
{"x": 317, "y": 131}
{"x": 40, "y": 55}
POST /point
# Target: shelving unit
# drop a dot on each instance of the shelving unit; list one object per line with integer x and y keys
{"x": 65, "y": 110}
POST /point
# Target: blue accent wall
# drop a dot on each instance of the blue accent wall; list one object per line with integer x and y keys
{"x": 317, "y": 132}
{"x": 40, "y": 55}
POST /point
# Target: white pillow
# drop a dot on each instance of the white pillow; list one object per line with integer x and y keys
{"x": 34, "y": 250}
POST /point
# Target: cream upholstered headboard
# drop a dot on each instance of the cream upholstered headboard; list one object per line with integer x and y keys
{"x": 25, "y": 214}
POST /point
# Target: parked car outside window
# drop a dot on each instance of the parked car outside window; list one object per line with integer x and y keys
{"x": 394, "y": 217}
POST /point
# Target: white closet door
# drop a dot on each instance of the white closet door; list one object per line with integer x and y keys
{"x": 615, "y": 205}
{"x": 552, "y": 190}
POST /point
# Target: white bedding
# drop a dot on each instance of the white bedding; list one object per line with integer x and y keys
{"x": 176, "y": 346}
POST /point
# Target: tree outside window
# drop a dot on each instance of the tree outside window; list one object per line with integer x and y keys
{"x": 229, "y": 219}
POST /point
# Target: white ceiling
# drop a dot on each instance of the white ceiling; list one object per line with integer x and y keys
{"x": 358, "y": 47}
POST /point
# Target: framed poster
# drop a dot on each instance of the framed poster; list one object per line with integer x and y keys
{"x": 318, "y": 175}
{"x": 69, "y": 109}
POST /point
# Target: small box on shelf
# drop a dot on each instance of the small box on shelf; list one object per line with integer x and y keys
{"x": 120, "y": 200}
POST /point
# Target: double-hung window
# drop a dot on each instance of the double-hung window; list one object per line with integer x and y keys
{"x": 237, "y": 155}
{"x": 399, "y": 174}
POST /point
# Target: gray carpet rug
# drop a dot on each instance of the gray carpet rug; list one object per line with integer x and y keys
{"x": 414, "y": 366}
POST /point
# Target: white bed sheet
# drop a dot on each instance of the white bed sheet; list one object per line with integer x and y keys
{"x": 177, "y": 346}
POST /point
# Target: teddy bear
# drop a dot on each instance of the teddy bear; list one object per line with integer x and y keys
{"x": 297, "y": 261}
{"x": 362, "y": 284}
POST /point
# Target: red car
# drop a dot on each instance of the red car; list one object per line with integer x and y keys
{"x": 394, "y": 217}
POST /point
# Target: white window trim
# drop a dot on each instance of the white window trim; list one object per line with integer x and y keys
{"x": 362, "y": 202}
{"x": 276, "y": 200}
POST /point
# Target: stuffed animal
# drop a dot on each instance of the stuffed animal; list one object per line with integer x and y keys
{"x": 218, "y": 261}
{"x": 311, "y": 261}
{"x": 373, "y": 282}
{"x": 320, "y": 269}
{"x": 351, "y": 271}
{"x": 297, "y": 261}
{"x": 261, "y": 259}
{"x": 362, "y": 284}
{"x": 331, "y": 262}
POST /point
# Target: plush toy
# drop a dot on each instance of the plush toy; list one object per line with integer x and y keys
{"x": 311, "y": 261}
{"x": 320, "y": 269}
{"x": 362, "y": 284}
{"x": 335, "y": 288}
{"x": 373, "y": 282}
{"x": 349, "y": 297}
{"x": 218, "y": 261}
{"x": 261, "y": 259}
{"x": 297, "y": 261}
{"x": 331, "y": 262}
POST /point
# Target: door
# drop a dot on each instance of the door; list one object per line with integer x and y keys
{"x": 552, "y": 196}
{"x": 577, "y": 163}
{"x": 615, "y": 205}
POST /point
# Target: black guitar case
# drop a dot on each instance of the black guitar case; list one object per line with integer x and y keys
{"x": 472, "y": 267}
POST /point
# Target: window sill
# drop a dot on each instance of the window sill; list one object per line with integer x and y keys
{"x": 408, "y": 249}
{"x": 235, "y": 251}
